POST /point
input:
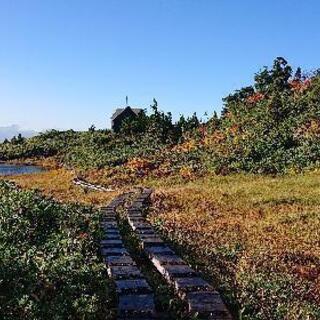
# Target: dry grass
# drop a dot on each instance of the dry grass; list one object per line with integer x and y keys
{"x": 58, "y": 183}
{"x": 256, "y": 237}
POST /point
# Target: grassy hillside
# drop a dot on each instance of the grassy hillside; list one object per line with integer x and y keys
{"x": 272, "y": 126}
{"x": 237, "y": 195}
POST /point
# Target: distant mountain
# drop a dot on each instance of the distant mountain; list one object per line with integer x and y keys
{"x": 13, "y": 130}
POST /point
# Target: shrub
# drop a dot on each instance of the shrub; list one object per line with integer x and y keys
{"x": 49, "y": 263}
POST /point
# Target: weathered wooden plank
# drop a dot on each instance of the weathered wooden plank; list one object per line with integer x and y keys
{"x": 160, "y": 260}
{"x": 107, "y": 210}
{"x": 138, "y": 201}
{"x": 171, "y": 272}
{"x": 133, "y": 306}
{"x": 138, "y": 206}
{"x": 144, "y": 195}
{"x": 109, "y": 225}
{"x": 114, "y": 252}
{"x": 143, "y": 225}
{"x": 110, "y": 243}
{"x": 147, "y": 235}
{"x": 145, "y": 230}
{"x": 119, "y": 261}
{"x": 135, "y": 220}
{"x": 131, "y": 210}
{"x": 132, "y": 286}
{"x": 108, "y": 220}
{"x": 109, "y": 213}
{"x": 151, "y": 242}
{"x": 136, "y": 300}
{"x": 184, "y": 285}
{"x": 112, "y": 236}
{"x": 158, "y": 250}
{"x": 124, "y": 272}
{"x": 208, "y": 304}
{"x": 135, "y": 214}
{"x": 112, "y": 230}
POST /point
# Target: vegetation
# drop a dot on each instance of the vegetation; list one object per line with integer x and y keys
{"x": 102, "y": 148}
{"x": 49, "y": 261}
{"x": 58, "y": 184}
{"x": 270, "y": 127}
{"x": 255, "y": 237}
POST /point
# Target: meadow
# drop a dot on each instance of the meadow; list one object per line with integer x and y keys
{"x": 255, "y": 237}
{"x": 237, "y": 196}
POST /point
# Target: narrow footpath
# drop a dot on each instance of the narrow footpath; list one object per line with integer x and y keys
{"x": 135, "y": 296}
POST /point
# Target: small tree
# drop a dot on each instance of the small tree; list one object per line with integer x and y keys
{"x": 20, "y": 139}
{"x": 92, "y": 128}
{"x": 188, "y": 124}
{"x": 135, "y": 125}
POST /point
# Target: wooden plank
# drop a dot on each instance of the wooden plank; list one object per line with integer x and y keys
{"x": 114, "y": 252}
{"x": 148, "y": 236}
{"x": 161, "y": 259}
{"x": 158, "y": 250}
{"x": 112, "y": 236}
{"x": 110, "y": 243}
{"x": 171, "y": 272}
{"x": 152, "y": 242}
{"x": 185, "y": 285}
{"x": 139, "y": 226}
{"x": 208, "y": 304}
{"x": 119, "y": 261}
{"x": 132, "y": 286}
{"x": 133, "y": 306}
{"x": 124, "y": 272}
{"x": 111, "y": 231}
{"x": 106, "y": 225}
{"x": 142, "y": 231}
{"x": 134, "y": 220}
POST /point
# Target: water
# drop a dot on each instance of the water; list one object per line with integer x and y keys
{"x": 16, "y": 169}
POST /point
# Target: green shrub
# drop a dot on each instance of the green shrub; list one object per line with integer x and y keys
{"x": 49, "y": 259}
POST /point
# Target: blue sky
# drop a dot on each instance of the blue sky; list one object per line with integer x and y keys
{"x": 69, "y": 63}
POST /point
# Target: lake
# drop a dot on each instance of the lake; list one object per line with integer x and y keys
{"x": 16, "y": 169}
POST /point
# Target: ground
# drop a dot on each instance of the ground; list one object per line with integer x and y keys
{"x": 58, "y": 183}
{"x": 255, "y": 237}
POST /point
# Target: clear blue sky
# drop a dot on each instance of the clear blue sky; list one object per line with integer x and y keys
{"x": 69, "y": 63}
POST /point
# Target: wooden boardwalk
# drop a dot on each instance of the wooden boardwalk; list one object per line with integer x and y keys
{"x": 136, "y": 298}
{"x": 200, "y": 296}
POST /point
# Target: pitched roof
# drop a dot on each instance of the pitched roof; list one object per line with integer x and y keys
{"x": 120, "y": 110}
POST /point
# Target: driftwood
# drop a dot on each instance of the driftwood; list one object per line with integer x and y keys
{"x": 87, "y": 185}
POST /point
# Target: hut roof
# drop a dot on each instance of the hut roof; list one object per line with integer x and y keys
{"x": 120, "y": 110}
